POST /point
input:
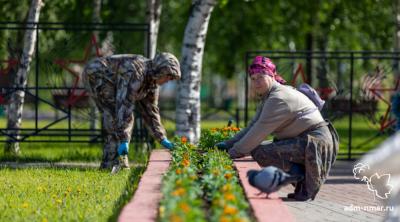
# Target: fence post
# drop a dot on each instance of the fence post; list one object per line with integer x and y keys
{"x": 351, "y": 104}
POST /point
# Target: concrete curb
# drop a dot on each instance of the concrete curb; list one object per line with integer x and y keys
{"x": 143, "y": 207}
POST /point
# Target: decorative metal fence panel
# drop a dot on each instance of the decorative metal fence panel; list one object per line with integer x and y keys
{"x": 57, "y": 107}
{"x": 357, "y": 87}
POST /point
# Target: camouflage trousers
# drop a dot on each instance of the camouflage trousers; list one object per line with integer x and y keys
{"x": 315, "y": 150}
{"x": 111, "y": 140}
{"x": 103, "y": 94}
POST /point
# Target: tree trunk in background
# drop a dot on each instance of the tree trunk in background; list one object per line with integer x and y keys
{"x": 322, "y": 69}
{"x": 17, "y": 98}
{"x": 188, "y": 98}
{"x": 153, "y": 14}
{"x": 96, "y": 18}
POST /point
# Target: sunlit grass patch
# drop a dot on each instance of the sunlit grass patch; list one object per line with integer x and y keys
{"x": 64, "y": 195}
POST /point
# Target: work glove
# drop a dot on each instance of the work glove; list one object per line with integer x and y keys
{"x": 167, "y": 144}
{"x": 123, "y": 148}
{"x": 123, "y": 162}
{"x": 222, "y": 146}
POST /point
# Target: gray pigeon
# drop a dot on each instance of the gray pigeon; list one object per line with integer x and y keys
{"x": 271, "y": 179}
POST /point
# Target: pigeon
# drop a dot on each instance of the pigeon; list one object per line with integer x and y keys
{"x": 271, "y": 179}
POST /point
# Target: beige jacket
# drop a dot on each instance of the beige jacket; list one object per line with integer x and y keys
{"x": 279, "y": 114}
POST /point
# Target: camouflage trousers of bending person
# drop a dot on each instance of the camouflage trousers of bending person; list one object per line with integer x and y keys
{"x": 315, "y": 150}
{"x": 102, "y": 92}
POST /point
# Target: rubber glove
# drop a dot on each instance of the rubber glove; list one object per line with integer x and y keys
{"x": 123, "y": 148}
{"x": 167, "y": 144}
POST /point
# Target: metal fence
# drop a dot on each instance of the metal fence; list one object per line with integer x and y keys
{"x": 357, "y": 87}
{"x": 57, "y": 107}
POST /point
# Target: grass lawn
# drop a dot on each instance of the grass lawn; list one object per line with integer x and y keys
{"x": 64, "y": 195}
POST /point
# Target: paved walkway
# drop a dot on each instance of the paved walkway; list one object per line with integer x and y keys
{"x": 338, "y": 196}
{"x": 335, "y": 201}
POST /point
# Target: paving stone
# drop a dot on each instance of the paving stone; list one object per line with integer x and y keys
{"x": 340, "y": 190}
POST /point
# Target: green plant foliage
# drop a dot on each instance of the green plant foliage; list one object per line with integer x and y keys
{"x": 209, "y": 137}
{"x": 181, "y": 189}
{"x": 201, "y": 184}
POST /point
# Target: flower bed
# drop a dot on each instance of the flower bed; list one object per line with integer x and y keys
{"x": 201, "y": 184}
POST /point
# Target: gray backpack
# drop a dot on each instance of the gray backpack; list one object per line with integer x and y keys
{"x": 312, "y": 95}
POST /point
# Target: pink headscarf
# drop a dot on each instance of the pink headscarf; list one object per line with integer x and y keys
{"x": 265, "y": 66}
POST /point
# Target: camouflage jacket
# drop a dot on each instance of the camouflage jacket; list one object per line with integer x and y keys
{"x": 117, "y": 83}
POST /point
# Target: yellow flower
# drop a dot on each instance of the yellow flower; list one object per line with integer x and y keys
{"x": 193, "y": 177}
{"x": 228, "y": 167}
{"x": 226, "y": 187}
{"x": 69, "y": 189}
{"x": 178, "y": 182}
{"x": 215, "y": 172}
{"x": 238, "y": 219}
{"x": 59, "y": 201}
{"x": 228, "y": 210}
{"x": 25, "y": 205}
{"x": 162, "y": 211}
{"x": 185, "y": 208}
{"x": 44, "y": 220}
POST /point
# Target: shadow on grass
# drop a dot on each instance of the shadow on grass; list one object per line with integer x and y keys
{"x": 129, "y": 190}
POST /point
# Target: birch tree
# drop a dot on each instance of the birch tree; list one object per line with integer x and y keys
{"x": 188, "y": 98}
{"x": 17, "y": 98}
{"x": 153, "y": 14}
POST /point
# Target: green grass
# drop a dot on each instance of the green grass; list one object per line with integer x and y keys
{"x": 64, "y": 195}
{"x": 67, "y": 152}
{"x": 365, "y": 135}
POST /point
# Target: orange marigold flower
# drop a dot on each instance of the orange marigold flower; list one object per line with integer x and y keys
{"x": 224, "y": 219}
{"x": 185, "y": 208}
{"x": 178, "y": 171}
{"x": 184, "y": 139}
{"x": 175, "y": 218}
{"x": 185, "y": 162}
{"x": 228, "y": 210}
{"x": 179, "y": 192}
{"x": 229, "y": 196}
{"x": 228, "y": 176}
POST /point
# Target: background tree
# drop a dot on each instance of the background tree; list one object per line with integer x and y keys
{"x": 188, "y": 98}
{"x": 153, "y": 14}
{"x": 17, "y": 98}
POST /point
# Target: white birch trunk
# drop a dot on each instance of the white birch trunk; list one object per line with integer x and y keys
{"x": 188, "y": 98}
{"x": 17, "y": 98}
{"x": 153, "y": 19}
